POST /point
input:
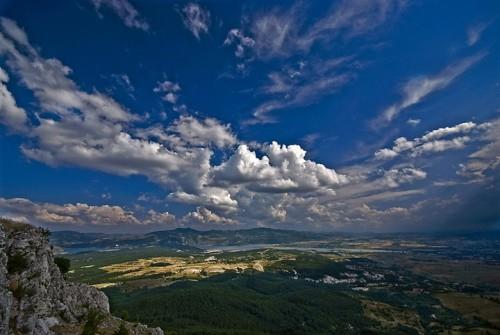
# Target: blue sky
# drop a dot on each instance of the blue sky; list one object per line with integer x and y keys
{"x": 121, "y": 115}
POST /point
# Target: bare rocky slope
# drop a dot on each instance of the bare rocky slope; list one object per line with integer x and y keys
{"x": 35, "y": 298}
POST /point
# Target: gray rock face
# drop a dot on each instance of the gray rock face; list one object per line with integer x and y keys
{"x": 5, "y": 294}
{"x": 34, "y": 297}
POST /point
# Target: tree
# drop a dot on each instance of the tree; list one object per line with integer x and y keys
{"x": 64, "y": 264}
{"x": 122, "y": 330}
{"x": 94, "y": 318}
{"x": 16, "y": 263}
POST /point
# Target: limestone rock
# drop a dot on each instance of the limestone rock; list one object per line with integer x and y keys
{"x": 35, "y": 299}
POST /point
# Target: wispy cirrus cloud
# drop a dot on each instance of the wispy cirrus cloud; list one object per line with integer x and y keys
{"x": 196, "y": 19}
{"x": 474, "y": 32}
{"x": 283, "y": 33}
{"x": 416, "y": 89}
{"x": 302, "y": 85}
{"x": 125, "y": 11}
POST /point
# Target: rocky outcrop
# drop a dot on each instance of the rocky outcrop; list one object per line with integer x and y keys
{"x": 35, "y": 298}
{"x": 5, "y": 294}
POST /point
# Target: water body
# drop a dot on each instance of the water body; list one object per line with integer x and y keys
{"x": 87, "y": 249}
{"x": 249, "y": 247}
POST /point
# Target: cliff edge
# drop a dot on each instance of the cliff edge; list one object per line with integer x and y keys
{"x": 35, "y": 298}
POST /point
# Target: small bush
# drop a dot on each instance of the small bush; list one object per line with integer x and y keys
{"x": 64, "y": 264}
{"x": 122, "y": 330}
{"x": 19, "y": 292}
{"x": 94, "y": 318}
{"x": 17, "y": 263}
{"x": 124, "y": 315}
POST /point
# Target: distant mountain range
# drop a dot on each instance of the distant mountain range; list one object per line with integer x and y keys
{"x": 181, "y": 238}
{"x": 188, "y": 239}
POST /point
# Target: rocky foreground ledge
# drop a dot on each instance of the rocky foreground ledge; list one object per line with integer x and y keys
{"x": 35, "y": 298}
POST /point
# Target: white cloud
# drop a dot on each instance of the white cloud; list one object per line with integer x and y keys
{"x": 242, "y": 42}
{"x": 395, "y": 177}
{"x": 486, "y": 159}
{"x": 203, "y": 133}
{"x": 159, "y": 218}
{"x": 278, "y": 213}
{"x": 188, "y": 132}
{"x": 303, "y": 85}
{"x": 11, "y": 115}
{"x": 170, "y": 91}
{"x": 213, "y": 197}
{"x": 255, "y": 184}
{"x": 352, "y": 18}
{"x": 385, "y": 154}
{"x": 434, "y": 141}
{"x": 462, "y": 128}
{"x": 81, "y": 215}
{"x": 474, "y": 33}
{"x": 413, "y": 122}
{"x": 14, "y": 32}
{"x": 282, "y": 33}
{"x": 74, "y": 214}
{"x": 441, "y": 145}
{"x": 205, "y": 216}
{"x": 417, "y": 88}
{"x": 125, "y": 11}
{"x": 281, "y": 169}
{"x": 196, "y": 19}
{"x": 90, "y": 128}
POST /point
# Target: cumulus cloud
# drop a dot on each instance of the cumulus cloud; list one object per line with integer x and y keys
{"x": 69, "y": 214}
{"x": 201, "y": 163}
{"x": 125, "y": 11}
{"x": 159, "y": 218}
{"x": 196, "y": 19}
{"x": 213, "y": 197}
{"x": 205, "y": 216}
{"x": 83, "y": 216}
{"x": 11, "y": 115}
{"x": 418, "y": 88}
{"x": 282, "y": 169}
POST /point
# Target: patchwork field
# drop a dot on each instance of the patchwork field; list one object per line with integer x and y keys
{"x": 378, "y": 286}
{"x": 474, "y": 307}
